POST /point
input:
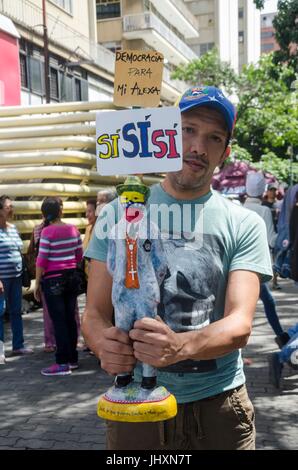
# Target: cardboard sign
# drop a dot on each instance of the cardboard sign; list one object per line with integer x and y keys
{"x": 138, "y": 77}
{"x": 139, "y": 141}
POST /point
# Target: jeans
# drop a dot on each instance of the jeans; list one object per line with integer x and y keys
{"x": 2, "y": 308}
{"x": 61, "y": 304}
{"x": 49, "y": 333}
{"x": 13, "y": 299}
{"x": 287, "y": 351}
{"x": 270, "y": 309}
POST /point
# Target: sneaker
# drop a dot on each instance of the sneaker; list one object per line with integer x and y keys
{"x": 275, "y": 369}
{"x": 73, "y": 365}
{"x": 56, "y": 369}
{"x": 22, "y": 351}
{"x": 49, "y": 349}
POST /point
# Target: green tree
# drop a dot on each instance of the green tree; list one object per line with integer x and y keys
{"x": 259, "y": 4}
{"x": 267, "y": 118}
{"x": 286, "y": 32}
{"x": 207, "y": 70}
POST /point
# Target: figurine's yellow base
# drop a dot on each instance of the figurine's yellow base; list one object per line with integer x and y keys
{"x": 137, "y": 412}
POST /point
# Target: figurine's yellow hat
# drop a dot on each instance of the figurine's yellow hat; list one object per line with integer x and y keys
{"x": 133, "y": 183}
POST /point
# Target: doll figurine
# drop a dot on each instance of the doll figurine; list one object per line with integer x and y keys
{"x": 137, "y": 263}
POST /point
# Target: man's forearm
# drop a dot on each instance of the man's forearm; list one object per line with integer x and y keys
{"x": 215, "y": 340}
{"x": 93, "y": 325}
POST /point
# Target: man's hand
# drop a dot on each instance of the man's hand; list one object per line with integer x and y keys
{"x": 1, "y": 288}
{"x": 154, "y": 343}
{"x": 115, "y": 351}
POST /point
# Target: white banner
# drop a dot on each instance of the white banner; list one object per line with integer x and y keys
{"x": 139, "y": 141}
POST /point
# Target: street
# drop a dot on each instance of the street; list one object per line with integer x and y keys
{"x": 60, "y": 412}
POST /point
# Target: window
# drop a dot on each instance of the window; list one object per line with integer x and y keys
{"x": 206, "y": 47}
{"x": 78, "y": 91}
{"x": 267, "y": 34}
{"x": 54, "y": 90}
{"x": 65, "y": 4}
{"x": 107, "y": 9}
{"x": 241, "y": 36}
{"x": 36, "y": 75}
{"x": 73, "y": 88}
{"x": 65, "y": 84}
{"x": 24, "y": 71}
{"x": 240, "y": 13}
{"x": 267, "y": 47}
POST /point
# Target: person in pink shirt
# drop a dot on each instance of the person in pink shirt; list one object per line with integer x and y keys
{"x": 60, "y": 252}
{"x": 49, "y": 334}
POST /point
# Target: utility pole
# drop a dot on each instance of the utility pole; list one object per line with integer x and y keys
{"x": 46, "y": 53}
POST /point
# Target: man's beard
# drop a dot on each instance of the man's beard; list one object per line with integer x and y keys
{"x": 186, "y": 181}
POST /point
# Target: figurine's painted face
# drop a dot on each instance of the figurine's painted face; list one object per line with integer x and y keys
{"x": 134, "y": 203}
{"x": 131, "y": 197}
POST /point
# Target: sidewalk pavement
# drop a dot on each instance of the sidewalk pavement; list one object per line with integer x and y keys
{"x": 38, "y": 412}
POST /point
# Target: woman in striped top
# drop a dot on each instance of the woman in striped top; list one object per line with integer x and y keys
{"x": 11, "y": 277}
{"x": 49, "y": 334}
{"x": 60, "y": 251}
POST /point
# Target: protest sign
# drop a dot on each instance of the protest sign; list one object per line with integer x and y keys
{"x": 139, "y": 141}
{"x": 138, "y": 77}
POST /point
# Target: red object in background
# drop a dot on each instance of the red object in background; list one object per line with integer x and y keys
{"x": 10, "y": 76}
{"x": 231, "y": 179}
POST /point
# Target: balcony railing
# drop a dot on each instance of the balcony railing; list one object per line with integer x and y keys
{"x": 181, "y": 16}
{"x": 29, "y": 15}
{"x": 146, "y": 21}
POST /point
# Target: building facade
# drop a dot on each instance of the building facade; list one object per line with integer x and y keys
{"x": 268, "y": 41}
{"x": 79, "y": 68}
{"x": 150, "y": 24}
{"x": 83, "y": 36}
{"x": 232, "y": 26}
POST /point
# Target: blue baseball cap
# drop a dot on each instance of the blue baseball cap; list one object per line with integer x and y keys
{"x": 212, "y": 97}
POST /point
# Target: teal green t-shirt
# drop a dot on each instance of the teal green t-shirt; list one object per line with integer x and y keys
{"x": 203, "y": 239}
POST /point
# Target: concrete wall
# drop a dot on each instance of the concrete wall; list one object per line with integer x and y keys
{"x": 109, "y": 30}
{"x": 226, "y": 18}
{"x": 78, "y": 20}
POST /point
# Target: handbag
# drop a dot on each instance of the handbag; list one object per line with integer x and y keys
{"x": 75, "y": 281}
{"x": 26, "y": 276}
{"x": 81, "y": 280}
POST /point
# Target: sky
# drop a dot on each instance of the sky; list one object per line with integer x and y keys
{"x": 270, "y": 6}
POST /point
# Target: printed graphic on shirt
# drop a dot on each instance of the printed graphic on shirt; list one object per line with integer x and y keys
{"x": 189, "y": 290}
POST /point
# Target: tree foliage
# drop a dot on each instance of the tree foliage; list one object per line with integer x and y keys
{"x": 267, "y": 116}
{"x": 259, "y": 4}
{"x": 207, "y": 70}
{"x": 286, "y": 32}
{"x": 285, "y": 24}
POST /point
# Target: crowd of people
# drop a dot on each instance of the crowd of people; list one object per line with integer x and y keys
{"x": 54, "y": 253}
{"x": 208, "y": 297}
